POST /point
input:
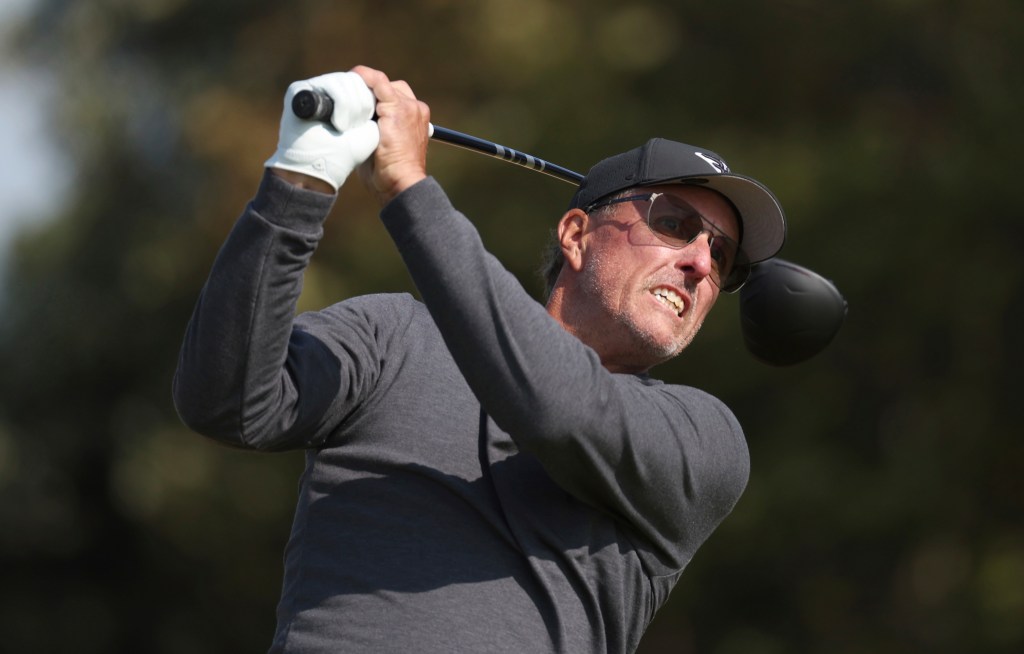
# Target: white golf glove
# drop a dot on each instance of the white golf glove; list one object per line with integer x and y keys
{"x": 328, "y": 152}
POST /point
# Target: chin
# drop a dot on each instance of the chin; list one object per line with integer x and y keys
{"x": 653, "y": 340}
{"x": 662, "y": 349}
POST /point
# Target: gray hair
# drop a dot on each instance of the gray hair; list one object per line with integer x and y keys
{"x": 553, "y": 259}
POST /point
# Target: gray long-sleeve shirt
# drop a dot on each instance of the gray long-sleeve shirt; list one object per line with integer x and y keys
{"x": 475, "y": 480}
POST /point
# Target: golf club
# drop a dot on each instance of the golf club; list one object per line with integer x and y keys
{"x": 788, "y": 313}
{"x": 317, "y": 105}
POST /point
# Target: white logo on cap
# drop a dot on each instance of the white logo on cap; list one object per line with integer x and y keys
{"x": 714, "y": 162}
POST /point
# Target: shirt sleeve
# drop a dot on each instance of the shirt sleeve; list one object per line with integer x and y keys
{"x": 670, "y": 461}
{"x": 246, "y": 375}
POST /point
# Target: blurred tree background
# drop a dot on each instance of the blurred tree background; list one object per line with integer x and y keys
{"x": 885, "y": 511}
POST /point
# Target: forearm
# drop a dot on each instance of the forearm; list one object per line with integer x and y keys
{"x": 231, "y": 383}
{"x": 503, "y": 340}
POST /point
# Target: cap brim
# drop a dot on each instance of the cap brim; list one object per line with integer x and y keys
{"x": 764, "y": 223}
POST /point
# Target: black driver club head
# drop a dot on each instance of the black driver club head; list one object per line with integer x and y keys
{"x": 789, "y": 313}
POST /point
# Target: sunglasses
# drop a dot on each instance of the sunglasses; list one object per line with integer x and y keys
{"x": 677, "y": 224}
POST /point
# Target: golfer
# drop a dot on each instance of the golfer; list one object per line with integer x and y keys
{"x": 483, "y": 473}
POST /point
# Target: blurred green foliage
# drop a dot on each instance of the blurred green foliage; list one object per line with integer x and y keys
{"x": 884, "y": 511}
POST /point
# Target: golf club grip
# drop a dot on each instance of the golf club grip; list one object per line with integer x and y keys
{"x": 314, "y": 104}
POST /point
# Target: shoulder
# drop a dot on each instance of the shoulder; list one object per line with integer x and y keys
{"x": 704, "y": 425}
{"x": 706, "y": 411}
{"x": 382, "y": 303}
{"x": 682, "y": 393}
{"x": 380, "y": 311}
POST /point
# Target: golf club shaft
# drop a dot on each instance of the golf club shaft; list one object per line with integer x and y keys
{"x": 317, "y": 105}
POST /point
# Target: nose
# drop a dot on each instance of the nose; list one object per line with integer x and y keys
{"x": 694, "y": 259}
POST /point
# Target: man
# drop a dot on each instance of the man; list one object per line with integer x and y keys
{"x": 484, "y": 474}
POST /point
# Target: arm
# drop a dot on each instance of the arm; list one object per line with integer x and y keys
{"x": 232, "y": 382}
{"x": 242, "y": 365}
{"x": 669, "y": 461}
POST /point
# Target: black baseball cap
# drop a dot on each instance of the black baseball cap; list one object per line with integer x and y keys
{"x": 660, "y": 161}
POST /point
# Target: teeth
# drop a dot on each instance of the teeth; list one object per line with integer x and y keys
{"x": 671, "y": 298}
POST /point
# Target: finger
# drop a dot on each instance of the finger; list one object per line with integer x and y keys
{"x": 383, "y": 88}
{"x": 376, "y": 81}
{"x": 407, "y": 112}
{"x": 402, "y": 88}
{"x": 371, "y": 76}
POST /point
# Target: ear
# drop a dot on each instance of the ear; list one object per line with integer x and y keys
{"x": 571, "y": 228}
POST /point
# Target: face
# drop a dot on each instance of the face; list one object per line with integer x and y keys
{"x": 634, "y": 299}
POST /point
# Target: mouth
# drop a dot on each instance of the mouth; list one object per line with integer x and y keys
{"x": 671, "y": 299}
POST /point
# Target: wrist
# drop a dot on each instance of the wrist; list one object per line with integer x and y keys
{"x": 303, "y": 181}
{"x": 398, "y": 186}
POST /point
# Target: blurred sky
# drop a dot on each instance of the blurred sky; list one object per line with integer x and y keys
{"x": 34, "y": 174}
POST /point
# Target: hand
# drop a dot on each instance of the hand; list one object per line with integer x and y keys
{"x": 328, "y": 152}
{"x": 401, "y": 157}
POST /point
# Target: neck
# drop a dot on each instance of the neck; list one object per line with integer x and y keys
{"x": 574, "y": 319}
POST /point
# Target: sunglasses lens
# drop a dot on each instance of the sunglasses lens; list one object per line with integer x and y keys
{"x": 674, "y": 221}
{"x": 678, "y": 224}
{"x": 738, "y": 274}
